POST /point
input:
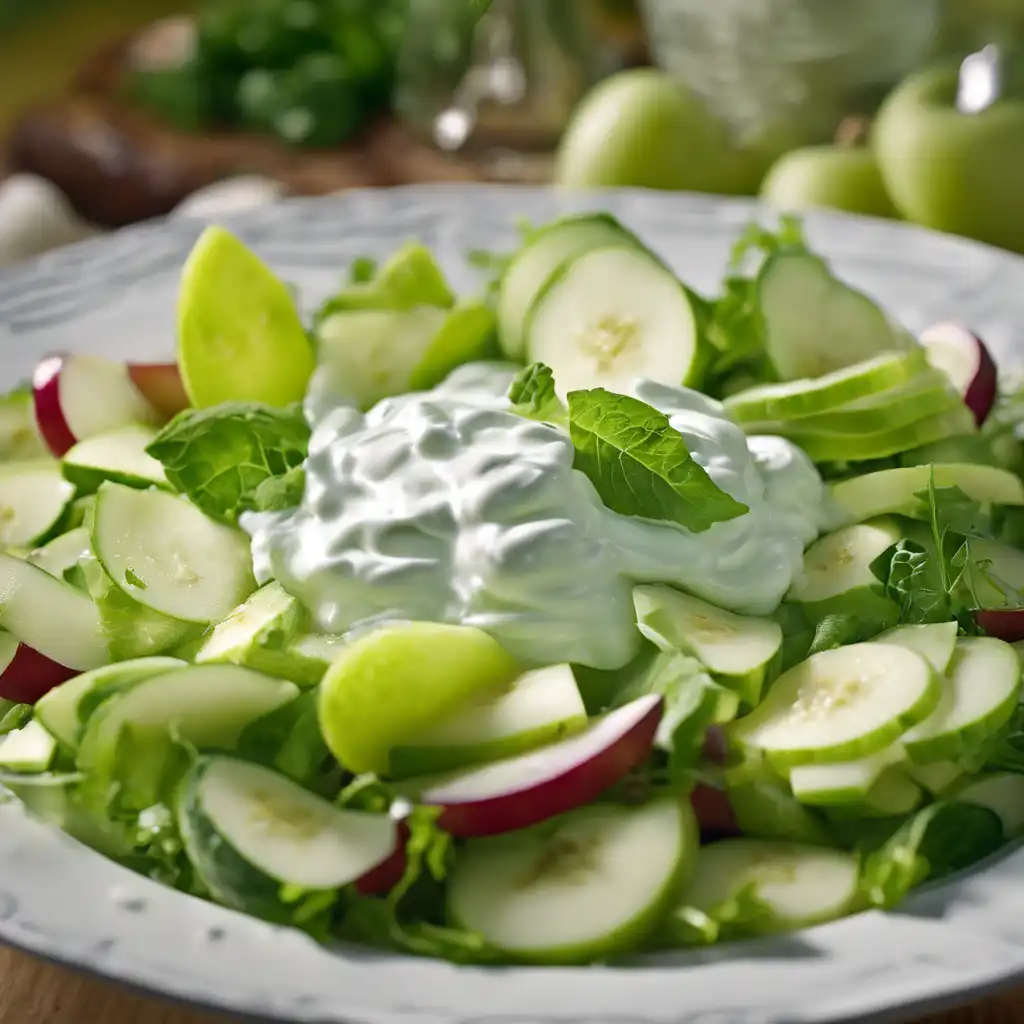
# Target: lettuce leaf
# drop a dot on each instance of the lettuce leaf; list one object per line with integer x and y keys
{"x": 221, "y": 457}
{"x": 640, "y": 465}
{"x": 532, "y": 395}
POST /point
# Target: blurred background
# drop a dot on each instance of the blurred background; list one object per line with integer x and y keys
{"x": 114, "y": 111}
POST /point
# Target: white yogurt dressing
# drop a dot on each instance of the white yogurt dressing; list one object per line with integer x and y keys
{"x": 445, "y": 506}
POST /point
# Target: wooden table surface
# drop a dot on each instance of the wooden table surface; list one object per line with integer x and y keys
{"x": 33, "y": 992}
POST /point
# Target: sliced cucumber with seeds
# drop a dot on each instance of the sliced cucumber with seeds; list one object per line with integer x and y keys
{"x": 979, "y": 694}
{"x": 797, "y": 885}
{"x": 841, "y": 705}
{"x": 167, "y": 555}
{"x": 30, "y": 749}
{"x": 595, "y": 882}
{"x": 257, "y": 632}
{"x": 60, "y": 558}
{"x": 611, "y": 316}
{"x": 934, "y": 641}
{"x": 65, "y": 708}
{"x": 249, "y": 832}
{"x": 847, "y": 782}
{"x": 894, "y": 490}
{"x": 206, "y": 705}
{"x": 544, "y": 252}
{"x": 741, "y": 652}
{"x": 1002, "y": 792}
{"x": 119, "y": 456}
{"x": 33, "y": 500}
{"x": 814, "y": 323}
{"x": 864, "y": 447}
{"x": 869, "y": 379}
{"x": 837, "y": 576}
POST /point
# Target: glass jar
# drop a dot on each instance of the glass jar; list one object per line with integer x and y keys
{"x": 785, "y": 73}
{"x": 507, "y": 74}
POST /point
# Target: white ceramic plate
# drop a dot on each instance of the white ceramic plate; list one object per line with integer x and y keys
{"x": 116, "y": 296}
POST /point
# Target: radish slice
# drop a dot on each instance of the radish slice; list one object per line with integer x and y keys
{"x": 25, "y": 674}
{"x": 1002, "y": 623}
{"x": 160, "y": 385}
{"x": 80, "y": 396}
{"x": 963, "y": 357}
{"x": 385, "y": 876}
{"x": 714, "y": 811}
{"x": 521, "y": 791}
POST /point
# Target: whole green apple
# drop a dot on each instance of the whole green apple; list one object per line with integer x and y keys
{"x": 839, "y": 177}
{"x": 640, "y": 128}
{"x": 962, "y": 173}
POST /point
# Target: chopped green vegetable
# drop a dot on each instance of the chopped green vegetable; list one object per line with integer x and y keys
{"x": 640, "y": 465}
{"x": 221, "y": 457}
{"x": 532, "y": 395}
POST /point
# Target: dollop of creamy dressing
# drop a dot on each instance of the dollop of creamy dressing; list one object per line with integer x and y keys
{"x": 445, "y": 506}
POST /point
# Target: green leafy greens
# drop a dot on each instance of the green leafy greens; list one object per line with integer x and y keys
{"x": 532, "y": 395}
{"x": 235, "y": 457}
{"x": 640, "y": 465}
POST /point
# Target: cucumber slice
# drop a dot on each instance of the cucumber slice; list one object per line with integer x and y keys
{"x": 256, "y": 633}
{"x": 30, "y": 749}
{"x": 20, "y": 440}
{"x": 368, "y": 355}
{"x": 870, "y": 379}
{"x": 847, "y": 782}
{"x": 893, "y": 490}
{"x": 923, "y": 396}
{"x": 33, "y": 499}
{"x": 544, "y": 252}
{"x": 995, "y": 574}
{"x": 206, "y": 705}
{"x": 741, "y": 652}
{"x": 167, "y": 555}
{"x": 542, "y": 707}
{"x": 841, "y": 705}
{"x": 64, "y": 709}
{"x": 814, "y": 323}
{"x": 249, "y": 831}
{"x": 119, "y": 456}
{"x": 240, "y": 338}
{"x": 837, "y": 576}
{"x": 937, "y": 777}
{"x": 594, "y": 883}
{"x": 798, "y": 885}
{"x": 935, "y": 642}
{"x": 466, "y": 336}
{"x": 611, "y": 316}
{"x": 1002, "y": 792}
{"x": 50, "y": 617}
{"x": 979, "y": 694}
{"x": 864, "y": 447}
{"x": 61, "y": 556}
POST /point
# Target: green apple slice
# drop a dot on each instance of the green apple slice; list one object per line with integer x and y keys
{"x": 797, "y": 885}
{"x": 390, "y": 685}
{"x": 594, "y": 883}
{"x": 837, "y": 576}
{"x": 865, "y": 447}
{"x": 240, "y": 338}
{"x": 409, "y": 278}
{"x": 740, "y": 651}
{"x": 541, "y": 707}
{"x": 895, "y": 490}
{"x": 840, "y": 705}
{"x": 868, "y": 379}
{"x": 979, "y": 694}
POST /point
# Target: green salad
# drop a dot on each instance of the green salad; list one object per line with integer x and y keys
{"x": 576, "y": 618}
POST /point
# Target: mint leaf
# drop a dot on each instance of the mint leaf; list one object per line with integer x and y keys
{"x": 220, "y": 456}
{"x": 640, "y": 465}
{"x": 532, "y": 394}
{"x": 277, "y": 493}
{"x": 839, "y": 630}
